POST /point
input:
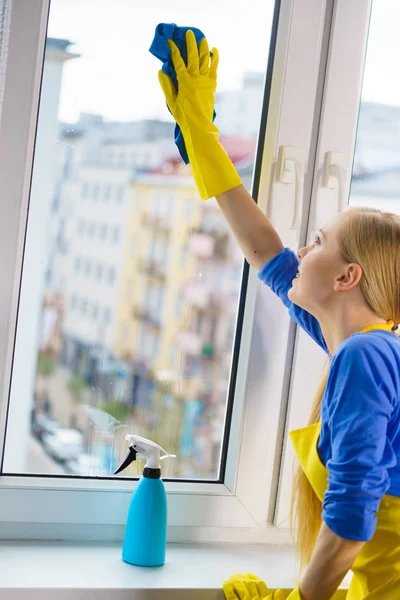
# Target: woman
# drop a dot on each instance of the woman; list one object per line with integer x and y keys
{"x": 345, "y": 292}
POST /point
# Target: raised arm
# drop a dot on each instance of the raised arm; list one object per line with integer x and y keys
{"x": 255, "y": 234}
{"x": 192, "y": 107}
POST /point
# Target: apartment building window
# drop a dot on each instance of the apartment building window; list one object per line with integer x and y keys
{"x": 148, "y": 344}
{"x": 189, "y": 203}
{"x": 73, "y": 302}
{"x": 160, "y": 301}
{"x": 184, "y": 254}
{"x": 230, "y": 330}
{"x": 129, "y": 290}
{"x": 84, "y": 305}
{"x": 146, "y": 296}
{"x": 179, "y": 305}
{"x": 155, "y": 204}
{"x": 220, "y": 278}
{"x": 161, "y": 250}
{"x": 120, "y": 193}
{"x": 192, "y": 367}
{"x": 168, "y": 209}
{"x": 107, "y": 191}
{"x": 96, "y": 191}
{"x": 151, "y": 253}
{"x": 84, "y": 190}
{"x": 116, "y": 234}
{"x": 91, "y": 230}
{"x": 77, "y": 264}
{"x": 236, "y": 273}
{"x": 95, "y": 312}
{"x": 111, "y": 275}
{"x": 103, "y": 232}
{"x": 81, "y": 227}
{"x": 199, "y": 323}
{"x": 140, "y": 341}
{"x": 154, "y": 300}
{"x": 88, "y": 268}
{"x": 99, "y": 271}
{"x": 155, "y": 347}
{"x": 107, "y": 315}
{"x": 207, "y": 274}
{"x": 138, "y": 199}
{"x": 123, "y": 335}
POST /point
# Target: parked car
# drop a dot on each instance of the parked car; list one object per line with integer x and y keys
{"x": 64, "y": 444}
{"x": 85, "y": 465}
{"x": 43, "y": 425}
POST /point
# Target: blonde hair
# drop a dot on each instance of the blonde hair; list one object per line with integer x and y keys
{"x": 371, "y": 239}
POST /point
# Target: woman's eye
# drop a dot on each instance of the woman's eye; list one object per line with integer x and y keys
{"x": 317, "y": 240}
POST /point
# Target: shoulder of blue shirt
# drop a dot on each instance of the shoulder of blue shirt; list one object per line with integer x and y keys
{"x": 368, "y": 361}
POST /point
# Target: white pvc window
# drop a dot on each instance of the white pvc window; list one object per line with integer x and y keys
{"x": 356, "y": 163}
{"x": 237, "y": 493}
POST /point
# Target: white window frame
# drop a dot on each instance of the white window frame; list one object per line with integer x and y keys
{"x": 337, "y": 133}
{"x": 242, "y": 507}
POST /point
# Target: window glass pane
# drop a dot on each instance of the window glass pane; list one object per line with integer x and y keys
{"x": 137, "y": 310}
{"x": 376, "y": 170}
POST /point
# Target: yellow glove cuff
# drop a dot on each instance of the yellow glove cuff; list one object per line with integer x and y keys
{"x": 295, "y": 595}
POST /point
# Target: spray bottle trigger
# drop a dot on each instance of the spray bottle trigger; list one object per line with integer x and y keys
{"x": 128, "y": 460}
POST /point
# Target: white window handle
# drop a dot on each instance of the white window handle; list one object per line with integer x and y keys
{"x": 334, "y": 176}
{"x": 291, "y": 167}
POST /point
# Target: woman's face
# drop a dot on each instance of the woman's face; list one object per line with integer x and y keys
{"x": 321, "y": 267}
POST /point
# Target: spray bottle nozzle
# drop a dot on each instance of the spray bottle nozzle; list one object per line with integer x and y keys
{"x": 129, "y": 459}
{"x": 146, "y": 449}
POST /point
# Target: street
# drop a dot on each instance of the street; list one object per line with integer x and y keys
{"x": 39, "y": 462}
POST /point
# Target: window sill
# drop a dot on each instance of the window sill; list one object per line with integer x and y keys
{"x": 61, "y": 571}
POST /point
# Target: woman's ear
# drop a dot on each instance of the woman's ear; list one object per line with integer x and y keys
{"x": 349, "y": 278}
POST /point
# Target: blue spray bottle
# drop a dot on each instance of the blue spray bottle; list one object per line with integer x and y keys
{"x": 146, "y": 527}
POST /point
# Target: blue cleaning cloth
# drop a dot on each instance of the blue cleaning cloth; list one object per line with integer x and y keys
{"x": 159, "y": 47}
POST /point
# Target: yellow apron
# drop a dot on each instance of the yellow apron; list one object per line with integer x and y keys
{"x": 376, "y": 570}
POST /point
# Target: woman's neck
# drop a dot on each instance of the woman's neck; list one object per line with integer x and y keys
{"x": 341, "y": 323}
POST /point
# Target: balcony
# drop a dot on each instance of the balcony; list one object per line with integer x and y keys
{"x": 204, "y": 244}
{"x": 192, "y": 344}
{"x": 202, "y": 297}
{"x": 152, "y": 268}
{"x": 142, "y": 314}
{"x": 189, "y": 388}
{"x": 156, "y": 224}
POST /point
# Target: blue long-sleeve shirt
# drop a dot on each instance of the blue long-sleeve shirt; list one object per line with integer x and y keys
{"x": 360, "y": 416}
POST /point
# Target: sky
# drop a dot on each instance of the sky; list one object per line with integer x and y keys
{"x": 116, "y": 76}
{"x": 382, "y": 74}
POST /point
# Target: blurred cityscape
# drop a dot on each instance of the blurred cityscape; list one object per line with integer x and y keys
{"x": 140, "y": 291}
{"x": 140, "y": 288}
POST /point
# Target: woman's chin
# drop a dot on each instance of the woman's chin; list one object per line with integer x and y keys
{"x": 292, "y": 292}
{"x": 294, "y": 295}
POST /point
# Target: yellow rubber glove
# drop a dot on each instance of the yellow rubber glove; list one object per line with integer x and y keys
{"x": 192, "y": 108}
{"x": 249, "y": 587}
{"x": 295, "y": 595}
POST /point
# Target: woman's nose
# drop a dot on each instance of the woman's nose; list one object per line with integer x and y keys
{"x": 302, "y": 252}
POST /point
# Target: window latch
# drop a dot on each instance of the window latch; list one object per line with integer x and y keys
{"x": 291, "y": 168}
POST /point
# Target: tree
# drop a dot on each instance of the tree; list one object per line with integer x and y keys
{"x": 45, "y": 365}
{"x": 118, "y": 410}
{"x": 76, "y": 386}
